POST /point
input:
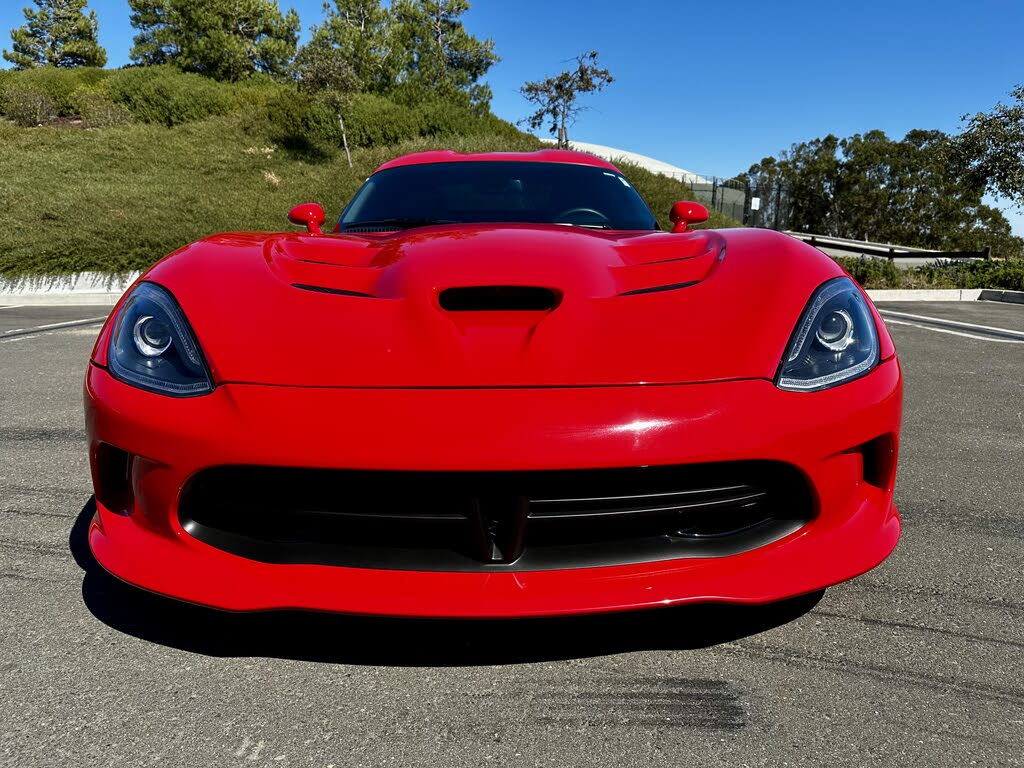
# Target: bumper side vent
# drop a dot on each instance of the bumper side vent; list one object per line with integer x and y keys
{"x": 111, "y": 472}
{"x": 880, "y": 461}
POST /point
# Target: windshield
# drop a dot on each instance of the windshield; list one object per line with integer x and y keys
{"x": 504, "y": 191}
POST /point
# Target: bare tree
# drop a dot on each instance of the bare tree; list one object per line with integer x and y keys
{"x": 556, "y": 96}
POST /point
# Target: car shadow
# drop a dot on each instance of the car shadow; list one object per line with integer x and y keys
{"x": 345, "y": 639}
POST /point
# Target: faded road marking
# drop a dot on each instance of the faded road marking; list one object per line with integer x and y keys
{"x": 945, "y": 322}
{"x": 53, "y": 326}
{"x": 889, "y": 321}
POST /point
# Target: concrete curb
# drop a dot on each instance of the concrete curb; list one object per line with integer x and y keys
{"x": 1010, "y": 297}
{"x": 84, "y": 288}
{"x": 927, "y": 294}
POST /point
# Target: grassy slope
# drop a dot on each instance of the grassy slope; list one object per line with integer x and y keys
{"x": 118, "y": 199}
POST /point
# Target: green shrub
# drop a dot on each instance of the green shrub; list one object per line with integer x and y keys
{"x": 377, "y": 121}
{"x": 441, "y": 119}
{"x": 373, "y": 121}
{"x": 97, "y": 110}
{"x": 58, "y": 85}
{"x": 168, "y": 96}
{"x": 492, "y": 125}
{"x": 882, "y": 273}
{"x": 1007, "y": 275}
{"x": 869, "y": 272}
{"x": 26, "y": 105}
{"x": 303, "y": 124}
{"x": 256, "y": 92}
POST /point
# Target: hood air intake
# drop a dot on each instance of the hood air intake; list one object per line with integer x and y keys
{"x": 499, "y": 298}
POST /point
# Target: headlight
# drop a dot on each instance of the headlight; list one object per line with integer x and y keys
{"x": 834, "y": 342}
{"x": 153, "y": 348}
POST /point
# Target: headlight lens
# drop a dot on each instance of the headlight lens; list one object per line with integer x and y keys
{"x": 835, "y": 340}
{"x": 153, "y": 348}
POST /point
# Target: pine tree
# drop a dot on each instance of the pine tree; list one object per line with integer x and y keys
{"x": 360, "y": 35}
{"x": 58, "y": 34}
{"x": 556, "y": 97}
{"x": 223, "y": 39}
{"x": 441, "y": 57}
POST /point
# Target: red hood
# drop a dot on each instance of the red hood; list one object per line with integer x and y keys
{"x": 630, "y": 307}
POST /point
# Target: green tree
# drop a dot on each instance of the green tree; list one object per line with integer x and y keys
{"x": 58, "y": 34}
{"x": 556, "y": 97}
{"x": 439, "y": 57}
{"x": 871, "y": 187}
{"x": 324, "y": 72}
{"x": 991, "y": 148}
{"x": 811, "y": 172}
{"x": 222, "y": 39}
{"x": 358, "y": 36}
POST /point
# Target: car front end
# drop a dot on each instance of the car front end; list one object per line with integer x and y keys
{"x": 493, "y": 420}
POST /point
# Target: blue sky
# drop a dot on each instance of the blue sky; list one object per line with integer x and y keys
{"x": 714, "y": 87}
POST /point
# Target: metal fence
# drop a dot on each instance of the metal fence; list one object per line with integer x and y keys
{"x": 769, "y": 207}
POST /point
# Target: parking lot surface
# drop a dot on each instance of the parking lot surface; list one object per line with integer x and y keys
{"x": 919, "y": 662}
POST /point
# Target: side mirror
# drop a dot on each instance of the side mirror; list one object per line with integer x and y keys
{"x": 685, "y": 213}
{"x": 308, "y": 215}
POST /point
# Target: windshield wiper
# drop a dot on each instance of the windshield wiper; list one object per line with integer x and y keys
{"x": 400, "y": 223}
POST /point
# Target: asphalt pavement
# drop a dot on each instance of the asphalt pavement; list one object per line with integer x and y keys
{"x": 919, "y": 662}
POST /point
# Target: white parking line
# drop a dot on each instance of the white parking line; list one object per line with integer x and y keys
{"x": 957, "y": 323}
{"x": 49, "y": 326}
{"x": 19, "y": 338}
{"x": 954, "y": 333}
{"x": 36, "y": 333}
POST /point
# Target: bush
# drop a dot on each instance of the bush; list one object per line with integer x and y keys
{"x": 27, "y": 105}
{"x": 57, "y": 85}
{"x": 167, "y": 96}
{"x": 882, "y": 273}
{"x": 376, "y": 121}
{"x": 869, "y": 272}
{"x": 373, "y": 121}
{"x": 303, "y": 124}
{"x": 1007, "y": 275}
{"x": 97, "y": 110}
{"x": 255, "y": 92}
{"x": 441, "y": 119}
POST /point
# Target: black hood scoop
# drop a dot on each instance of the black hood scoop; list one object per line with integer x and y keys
{"x": 499, "y": 298}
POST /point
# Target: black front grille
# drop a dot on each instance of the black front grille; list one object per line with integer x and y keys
{"x": 479, "y": 521}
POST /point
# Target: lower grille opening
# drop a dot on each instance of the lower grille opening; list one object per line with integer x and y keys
{"x": 480, "y": 521}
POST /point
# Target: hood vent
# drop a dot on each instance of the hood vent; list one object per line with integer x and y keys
{"x": 499, "y": 298}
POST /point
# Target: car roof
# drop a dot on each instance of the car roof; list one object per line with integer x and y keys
{"x": 540, "y": 156}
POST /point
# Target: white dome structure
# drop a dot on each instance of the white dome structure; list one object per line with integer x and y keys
{"x": 647, "y": 163}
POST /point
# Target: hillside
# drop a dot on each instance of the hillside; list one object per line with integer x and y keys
{"x": 119, "y": 197}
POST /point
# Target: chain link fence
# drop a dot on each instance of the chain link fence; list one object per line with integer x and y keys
{"x": 770, "y": 206}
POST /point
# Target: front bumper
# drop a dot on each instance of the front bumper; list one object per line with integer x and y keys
{"x": 855, "y": 528}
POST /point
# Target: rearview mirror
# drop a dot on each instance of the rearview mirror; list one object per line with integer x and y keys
{"x": 308, "y": 215}
{"x": 685, "y": 213}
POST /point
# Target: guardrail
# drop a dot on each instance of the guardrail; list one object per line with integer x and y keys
{"x": 886, "y": 250}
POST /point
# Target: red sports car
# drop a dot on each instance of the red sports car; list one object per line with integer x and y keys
{"x": 495, "y": 389}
